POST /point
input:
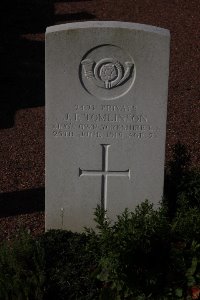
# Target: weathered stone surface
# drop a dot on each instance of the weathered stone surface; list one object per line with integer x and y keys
{"x": 106, "y": 105}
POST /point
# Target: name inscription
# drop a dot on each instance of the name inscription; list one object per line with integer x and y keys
{"x": 104, "y": 121}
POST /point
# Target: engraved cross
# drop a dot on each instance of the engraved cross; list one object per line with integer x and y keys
{"x": 104, "y": 173}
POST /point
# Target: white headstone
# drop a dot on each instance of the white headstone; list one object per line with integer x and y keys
{"x": 106, "y": 107}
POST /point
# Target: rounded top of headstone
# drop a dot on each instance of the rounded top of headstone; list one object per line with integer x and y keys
{"x": 108, "y": 24}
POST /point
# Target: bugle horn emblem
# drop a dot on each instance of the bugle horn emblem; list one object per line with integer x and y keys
{"x": 108, "y": 72}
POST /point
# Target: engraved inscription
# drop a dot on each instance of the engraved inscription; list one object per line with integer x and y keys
{"x": 105, "y": 121}
{"x": 107, "y": 72}
{"x": 104, "y": 174}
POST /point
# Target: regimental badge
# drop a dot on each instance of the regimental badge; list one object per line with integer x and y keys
{"x": 107, "y": 72}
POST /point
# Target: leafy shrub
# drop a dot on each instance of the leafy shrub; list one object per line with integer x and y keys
{"x": 132, "y": 252}
{"x": 22, "y": 269}
{"x": 68, "y": 265}
{"x": 189, "y": 190}
{"x": 175, "y": 171}
{"x": 182, "y": 183}
{"x": 141, "y": 256}
{"x": 144, "y": 256}
{"x": 148, "y": 254}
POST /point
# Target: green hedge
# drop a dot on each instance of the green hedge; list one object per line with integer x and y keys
{"x": 146, "y": 254}
{"x": 142, "y": 256}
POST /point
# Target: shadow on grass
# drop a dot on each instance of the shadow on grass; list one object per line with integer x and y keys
{"x": 22, "y": 69}
{"x": 22, "y": 202}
